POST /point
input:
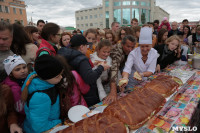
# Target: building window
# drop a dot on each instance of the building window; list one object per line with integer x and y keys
{"x": 126, "y": 16}
{"x": 81, "y": 18}
{"x": 125, "y": 3}
{"x": 8, "y": 20}
{"x": 20, "y": 10}
{"x": 148, "y": 15}
{"x": 2, "y": 0}
{"x": 91, "y": 24}
{"x": 86, "y": 17}
{"x": 100, "y": 15}
{"x": 2, "y": 19}
{"x": 85, "y": 10}
{"x": 6, "y": 9}
{"x": 95, "y": 8}
{"x": 95, "y": 16}
{"x": 96, "y": 25}
{"x": 135, "y": 13}
{"x": 117, "y": 15}
{"x": 117, "y": 3}
{"x": 100, "y": 8}
{"x": 135, "y": 3}
{"x": 86, "y": 25}
{"x": 90, "y": 10}
{"x": 22, "y": 22}
{"x": 143, "y": 16}
{"x": 1, "y": 10}
{"x": 82, "y": 25}
{"x": 77, "y": 18}
{"x": 107, "y": 19}
{"x": 90, "y": 16}
{"x": 14, "y": 11}
{"x": 107, "y": 3}
{"x": 143, "y": 3}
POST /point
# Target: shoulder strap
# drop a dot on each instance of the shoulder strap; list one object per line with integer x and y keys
{"x": 44, "y": 49}
{"x": 51, "y": 92}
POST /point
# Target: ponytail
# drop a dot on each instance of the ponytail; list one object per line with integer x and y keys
{"x": 24, "y": 95}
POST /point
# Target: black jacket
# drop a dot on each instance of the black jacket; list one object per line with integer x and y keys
{"x": 169, "y": 59}
{"x": 80, "y": 63}
{"x": 172, "y": 32}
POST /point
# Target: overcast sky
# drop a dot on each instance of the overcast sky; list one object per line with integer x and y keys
{"x": 62, "y": 12}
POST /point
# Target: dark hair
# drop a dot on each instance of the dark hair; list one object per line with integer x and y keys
{"x": 189, "y": 32}
{"x": 185, "y": 20}
{"x": 66, "y": 90}
{"x": 160, "y": 35}
{"x": 104, "y": 43}
{"x": 113, "y": 23}
{"x": 20, "y": 39}
{"x": 150, "y": 23}
{"x": 113, "y": 36}
{"x": 91, "y": 30}
{"x": 3, "y": 106}
{"x": 49, "y": 29}
{"x": 128, "y": 37}
{"x": 74, "y": 31}
{"x": 30, "y": 30}
{"x": 128, "y": 31}
{"x": 40, "y": 21}
{"x": 134, "y": 19}
{"x": 6, "y": 26}
{"x": 63, "y": 34}
{"x": 156, "y": 21}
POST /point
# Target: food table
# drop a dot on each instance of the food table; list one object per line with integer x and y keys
{"x": 179, "y": 106}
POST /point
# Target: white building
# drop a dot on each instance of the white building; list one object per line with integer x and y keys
{"x": 121, "y": 11}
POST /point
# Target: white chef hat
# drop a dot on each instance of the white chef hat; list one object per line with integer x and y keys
{"x": 145, "y": 35}
{"x": 11, "y": 62}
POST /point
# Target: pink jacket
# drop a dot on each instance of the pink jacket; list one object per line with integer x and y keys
{"x": 167, "y": 24}
{"x": 16, "y": 90}
{"x": 78, "y": 92}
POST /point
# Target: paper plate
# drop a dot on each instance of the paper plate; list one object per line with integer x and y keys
{"x": 75, "y": 113}
{"x": 58, "y": 128}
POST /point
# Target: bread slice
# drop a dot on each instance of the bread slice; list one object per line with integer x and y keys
{"x": 122, "y": 82}
{"x": 137, "y": 76}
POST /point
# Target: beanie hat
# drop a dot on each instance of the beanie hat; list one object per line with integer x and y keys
{"x": 11, "y": 62}
{"x": 78, "y": 40}
{"x": 165, "y": 18}
{"x": 47, "y": 67}
{"x": 145, "y": 35}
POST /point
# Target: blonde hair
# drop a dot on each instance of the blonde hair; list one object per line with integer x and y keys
{"x": 174, "y": 37}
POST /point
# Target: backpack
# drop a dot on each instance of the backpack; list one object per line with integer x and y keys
{"x": 51, "y": 92}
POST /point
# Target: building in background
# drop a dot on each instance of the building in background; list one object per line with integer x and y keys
{"x": 121, "y": 11}
{"x": 13, "y": 11}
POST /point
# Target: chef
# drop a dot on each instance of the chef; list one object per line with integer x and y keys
{"x": 141, "y": 60}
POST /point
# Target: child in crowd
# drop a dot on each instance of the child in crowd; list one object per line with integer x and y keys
{"x": 169, "y": 52}
{"x": 91, "y": 36}
{"x": 42, "y": 105}
{"x": 71, "y": 89}
{"x": 184, "y": 47}
{"x": 165, "y": 24}
{"x": 102, "y": 55}
{"x": 8, "y": 117}
{"x": 111, "y": 37}
{"x": 100, "y": 35}
{"x": 17, "y": 72}
{"x": 33, "y": 34}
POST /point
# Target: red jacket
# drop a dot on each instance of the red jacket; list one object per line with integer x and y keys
{"x": 46, "y": 46}
{"x": 167, "y": 24}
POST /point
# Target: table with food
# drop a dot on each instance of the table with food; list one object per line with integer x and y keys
{"x": 165, "y": 101}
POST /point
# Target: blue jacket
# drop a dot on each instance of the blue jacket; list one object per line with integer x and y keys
{"x": 40, "y": 114}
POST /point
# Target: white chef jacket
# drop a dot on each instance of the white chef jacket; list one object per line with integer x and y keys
{"x": 135, "y": 63}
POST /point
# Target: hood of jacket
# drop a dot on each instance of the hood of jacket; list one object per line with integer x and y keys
{"x": 36, "y": 84}
{"x": 73, "y": 57}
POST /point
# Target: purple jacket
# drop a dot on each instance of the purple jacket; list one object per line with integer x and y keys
{"x": 19, "y": 105}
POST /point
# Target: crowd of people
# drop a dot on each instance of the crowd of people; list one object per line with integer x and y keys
{"x": 44, "y": 71}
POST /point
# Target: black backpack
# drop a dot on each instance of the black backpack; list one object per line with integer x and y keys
{"x": 51, "y": 92}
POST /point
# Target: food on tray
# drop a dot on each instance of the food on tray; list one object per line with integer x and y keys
{"x": 137, "y": 76}
{"x": 164, "y": 85}
{"x": 177, "y": 80}
{"x": 122, "y": 82}
{"x": 99, "y": 123}
{"x": 136, "y": 108}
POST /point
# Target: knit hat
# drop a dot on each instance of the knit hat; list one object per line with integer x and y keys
{"x": 11, "y": 62}
{"x": 78, "y": 40}
{"x": 47, "y": 67}
{"x": 145, "y": 35}
{"x": 165, "y": 18}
